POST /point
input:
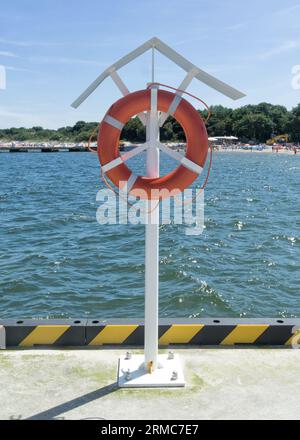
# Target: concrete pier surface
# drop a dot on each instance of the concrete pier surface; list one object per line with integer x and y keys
{"x": 80, "y": 384}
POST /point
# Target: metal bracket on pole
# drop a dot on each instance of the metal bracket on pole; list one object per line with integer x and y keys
{"x": 124, "y": 90}
{"x": 183, "y": 86}
{"x": 119, "y": 82}
{"x": 2, "y": 338}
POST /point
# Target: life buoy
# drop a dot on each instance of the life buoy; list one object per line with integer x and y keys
{"x": 186, "y": 115}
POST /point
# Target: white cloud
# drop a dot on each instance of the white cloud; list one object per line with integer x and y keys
{"x": 20, "y": 118}
{"x": 287, "y": 10}
{"x": 66, "y": 60}
{"x": 222, "y": 68}
{"x": 36, "y": 43}
{"x": 18, "y": 69}
{"x": 23, "y": 43}
{"x": 2, "y": 78}
{"x": 4, "y": 53}
{"x": 282, "y": 48}
{"x": 235, "y": 27}
{"x": 16, "y": 116}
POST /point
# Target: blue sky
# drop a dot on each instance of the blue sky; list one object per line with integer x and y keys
{"x": 53, "y": 49}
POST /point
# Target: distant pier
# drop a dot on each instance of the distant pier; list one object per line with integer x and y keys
{"x": 43, "y": 150}
{"x": 24, "y": 147}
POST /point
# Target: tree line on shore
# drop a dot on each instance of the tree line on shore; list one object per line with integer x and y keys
{"x": 249, "y": 123}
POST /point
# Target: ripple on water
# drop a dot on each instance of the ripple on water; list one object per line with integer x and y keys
{"x": 56, "y": 261}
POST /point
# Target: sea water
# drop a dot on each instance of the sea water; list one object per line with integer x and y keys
{"x": 57, "y": 261}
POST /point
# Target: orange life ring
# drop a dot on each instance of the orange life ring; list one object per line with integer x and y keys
{"x": 185, "y": 114}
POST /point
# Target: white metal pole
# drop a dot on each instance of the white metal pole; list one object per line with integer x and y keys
{"x": 152, "y": 242}
{"x": 153, "y": 59}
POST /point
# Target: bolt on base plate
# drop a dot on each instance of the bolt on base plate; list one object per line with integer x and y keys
{"x": 132, "y": 372}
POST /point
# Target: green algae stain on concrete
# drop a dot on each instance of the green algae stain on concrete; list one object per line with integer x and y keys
{"x": 5, "y": 361}
{"x": 77, "y": 372}
{"x": 43, "y": 358}
{"x": 106, "y": 376}
{"x": 194, "y": 384}
{"x": 150, "y": 393}
{"x": 101, "y": 375}
{"x": 197, "y": 381}
{"x": 158, "y": 393}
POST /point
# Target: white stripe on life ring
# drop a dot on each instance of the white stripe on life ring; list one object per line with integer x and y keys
{"x": 108, "y": 166}
{"x": 131, "y": 182}
{"x": 191, "y": 165}
{"x": 174, "y": 104}
{"x": 182, "y": 159}
{"x": 114, "y": 122}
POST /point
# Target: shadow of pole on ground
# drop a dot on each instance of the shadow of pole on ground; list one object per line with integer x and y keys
{"x": 75, "y": 403}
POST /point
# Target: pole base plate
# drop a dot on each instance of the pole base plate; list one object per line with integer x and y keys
{"x": 132, "y": 372}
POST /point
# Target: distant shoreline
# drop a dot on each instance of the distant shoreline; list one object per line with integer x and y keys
{"x": 85, "y": 150}
{"x": 23, "y": 147}
{"x": 290, "y": 152}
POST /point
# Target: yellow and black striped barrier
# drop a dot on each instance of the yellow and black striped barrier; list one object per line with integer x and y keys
{"x": 124, "y": 332}
{"x": 29, "y": 333}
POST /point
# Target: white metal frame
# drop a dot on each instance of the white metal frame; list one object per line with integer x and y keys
{"x": 156, "y": 43}
{"x": 153, "y": 120}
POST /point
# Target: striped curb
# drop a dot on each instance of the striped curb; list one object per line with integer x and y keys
{"x": 58, "y": 332}
{"x": 125, "y": 332}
